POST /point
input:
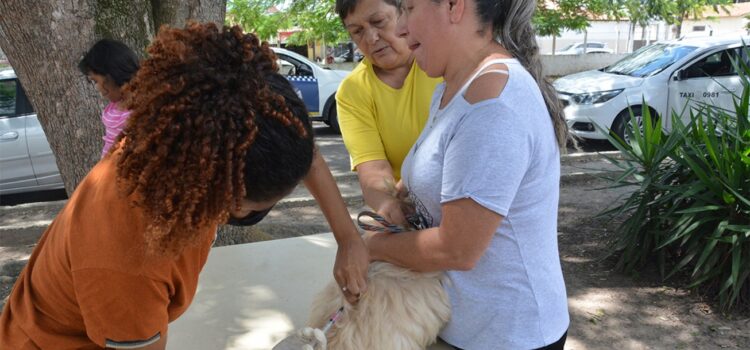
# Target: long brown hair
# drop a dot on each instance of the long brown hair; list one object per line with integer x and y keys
{"x": 511, "y": 25}
{"x": 202, "y": 103}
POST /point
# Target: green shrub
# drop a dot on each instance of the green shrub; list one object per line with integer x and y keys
{"x": 690, "y": 211}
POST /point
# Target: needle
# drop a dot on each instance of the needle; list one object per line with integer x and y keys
{"x": 333, "y": 319}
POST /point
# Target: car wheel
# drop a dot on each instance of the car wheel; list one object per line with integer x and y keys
{"x": 333, "y": 119}
{"x": 622, "y": 123}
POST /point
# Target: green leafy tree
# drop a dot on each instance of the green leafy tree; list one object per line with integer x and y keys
{"x": 316, "y": 20}
{"x": 257, "y": 16}
{"x": 553, "y": 17}
{"x": 638, "y": 12}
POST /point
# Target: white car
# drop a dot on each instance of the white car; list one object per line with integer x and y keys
{"x": 668, "y": 76}
{"x": 26, "y": 160}
{"x": 316, "y": 84}
{"x": 591, "y": 47}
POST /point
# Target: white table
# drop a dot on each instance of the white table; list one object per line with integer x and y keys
{"x": 250, "y": 296}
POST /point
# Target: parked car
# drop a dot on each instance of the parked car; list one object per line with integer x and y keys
{"x": 669, "y": 76}
{"x": 358, "y": 56}
{"x": 26, "y": 160}
{"x": 317, "y": 85}
{"x": 27, "y": 163}
{"x": 591, "y": 47}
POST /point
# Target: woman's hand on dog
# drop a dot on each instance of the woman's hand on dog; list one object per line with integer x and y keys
{"x": 391, "y": 210}
{"x": 350, "y": 269}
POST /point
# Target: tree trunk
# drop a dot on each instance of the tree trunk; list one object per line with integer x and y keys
{"x": 129, "y": 21}
{"x": 585, "y": 41}
{"x": 554, "y": 44}
{"x": 177, "y": 13}
{"x": 45, "y": 39}
{"x": 678, "y": 28}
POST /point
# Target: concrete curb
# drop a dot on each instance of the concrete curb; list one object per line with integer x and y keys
{"x": 10, "y": 209}
{"x": 567, "y": 159}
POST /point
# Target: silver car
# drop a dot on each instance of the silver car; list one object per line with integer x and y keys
{"x": 26, "y": 160}
{"x": 591, "y": 47}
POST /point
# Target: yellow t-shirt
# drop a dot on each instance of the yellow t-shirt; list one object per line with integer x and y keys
{"x": 379, "y": 122}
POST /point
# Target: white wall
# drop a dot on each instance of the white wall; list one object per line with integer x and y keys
{"x": 727, "y": 25}
{"x": 614, "y": 34}
{"x": 560, "y": 65}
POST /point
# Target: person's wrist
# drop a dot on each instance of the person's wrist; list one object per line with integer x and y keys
{"x": 372, "y": 243}
{"x": 349, "y": 237}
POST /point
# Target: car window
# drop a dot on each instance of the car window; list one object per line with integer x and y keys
{"x": 595, "y": 46}
{"x": 8, "y": 92}
{"x": 650, "y": 60}
{"x": 289, "y": 66}
{"x": 717, "y": 64}
{"x": 285, "y": 67}
{"x": 745, "y": 54}
{"x": 568, "y": 47}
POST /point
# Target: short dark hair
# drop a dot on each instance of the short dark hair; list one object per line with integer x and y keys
{"x": 112, "y": 59}
{"x": 279, "y": 158}
{"x": 345, "y": 7}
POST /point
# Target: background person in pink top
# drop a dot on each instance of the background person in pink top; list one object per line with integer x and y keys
{"x": 110, "y": 64}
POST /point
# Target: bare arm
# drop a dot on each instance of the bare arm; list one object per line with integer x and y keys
{"x": 352, "y": 259}
{"x": 457, "y": 244}
{"x": 374, "y": 178}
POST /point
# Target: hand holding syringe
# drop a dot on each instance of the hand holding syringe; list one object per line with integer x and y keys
{"x": 309, "y": 338}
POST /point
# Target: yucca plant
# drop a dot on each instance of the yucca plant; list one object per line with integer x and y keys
{"x": 690, "y": 211}
{"x": 646, "y": 165}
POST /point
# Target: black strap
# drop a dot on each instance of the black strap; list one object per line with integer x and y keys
{"x": 386, "y": 227}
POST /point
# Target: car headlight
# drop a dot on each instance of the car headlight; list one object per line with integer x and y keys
{"x": 591, "y": 98}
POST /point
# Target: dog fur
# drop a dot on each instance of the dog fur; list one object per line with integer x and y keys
{"x": 401, "y": 310}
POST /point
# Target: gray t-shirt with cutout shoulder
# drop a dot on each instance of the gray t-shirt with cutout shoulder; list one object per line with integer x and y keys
{"x": 502, "y": 153}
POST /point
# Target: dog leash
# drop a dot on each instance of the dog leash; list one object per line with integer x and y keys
{"x": 415, "y": 220}
{"x": 386, "y": 228}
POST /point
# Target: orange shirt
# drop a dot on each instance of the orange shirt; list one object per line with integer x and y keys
{"x": 90, "y": 283}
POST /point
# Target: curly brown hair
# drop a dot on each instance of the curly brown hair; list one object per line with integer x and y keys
{"x": 210, "y": 117}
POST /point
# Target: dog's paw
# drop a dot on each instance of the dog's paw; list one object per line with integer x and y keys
{"x": 304, "y": 339}
{"x": 314, "y": 337}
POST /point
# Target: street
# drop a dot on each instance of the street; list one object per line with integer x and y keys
{"x": 329, "y": 143}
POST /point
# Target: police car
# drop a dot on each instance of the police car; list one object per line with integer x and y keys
{"x": 670, "y": 76}
{"x": 316, "y": 84}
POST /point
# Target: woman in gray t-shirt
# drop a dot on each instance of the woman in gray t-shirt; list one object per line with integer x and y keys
{"x": 484, "y": 174}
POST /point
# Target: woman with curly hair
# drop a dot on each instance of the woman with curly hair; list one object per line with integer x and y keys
{"x": 215, "y": 136}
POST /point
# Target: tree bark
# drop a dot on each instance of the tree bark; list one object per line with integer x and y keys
{"x": 177, "y": 13}
{"x": 44, "y": 40}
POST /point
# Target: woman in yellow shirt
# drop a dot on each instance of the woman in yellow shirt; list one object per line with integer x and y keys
{"x": 383, "y": 104}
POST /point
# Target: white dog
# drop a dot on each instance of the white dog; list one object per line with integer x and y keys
{"x": 402, "y": 310}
